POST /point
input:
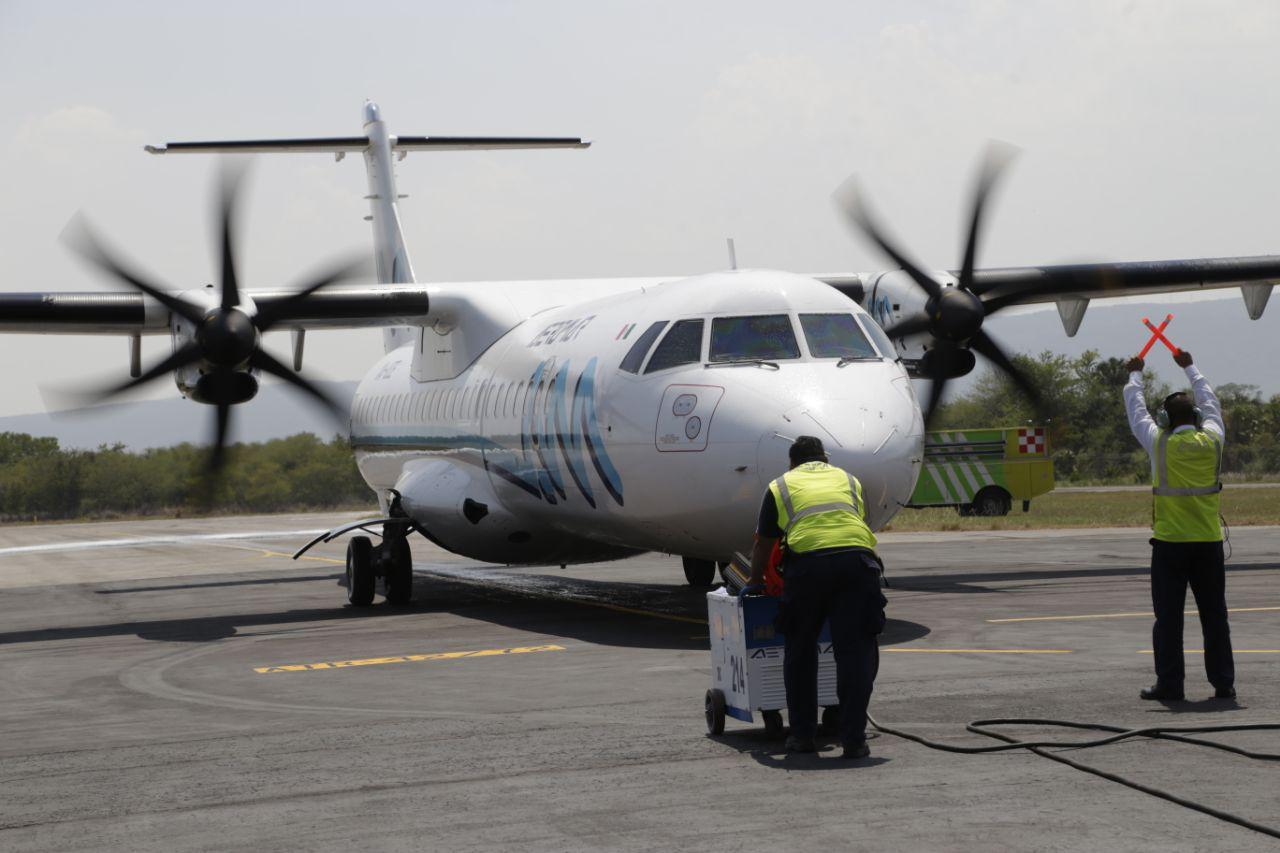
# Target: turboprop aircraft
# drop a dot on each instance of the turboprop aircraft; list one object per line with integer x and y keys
{"x": 557, "y": 422}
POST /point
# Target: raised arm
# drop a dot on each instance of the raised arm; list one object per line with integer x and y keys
{"x": 1204, "y": 396}
{"x": 1141, "y": 423}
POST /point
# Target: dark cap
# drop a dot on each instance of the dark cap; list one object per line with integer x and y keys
{"x": 807, "y": 448}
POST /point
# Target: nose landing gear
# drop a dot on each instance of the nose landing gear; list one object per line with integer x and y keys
{"x": 391, "y": 560}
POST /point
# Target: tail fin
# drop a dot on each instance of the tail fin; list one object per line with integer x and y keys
{"x": 391, "y": 256}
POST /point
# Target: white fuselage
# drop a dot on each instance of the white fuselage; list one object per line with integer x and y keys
{"x": 542, "y": 449}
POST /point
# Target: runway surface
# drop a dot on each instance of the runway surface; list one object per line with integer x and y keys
{"x": 183, "y": 685}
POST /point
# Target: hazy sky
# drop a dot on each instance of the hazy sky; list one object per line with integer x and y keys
{"x": 1148, "y": 130}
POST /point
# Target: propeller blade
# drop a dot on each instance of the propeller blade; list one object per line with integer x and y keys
{"x": 983, "y": 344}
{"x": 266, "y": 362}
{"x": 181, "y": 357}
{"x": 850, "y": 201}
{"x": 909, "y": 326}
{"x": 343, "y": 271}
{"x": 993, "y": 163}
{"x": 221, "y": 426}
{"x": 229, "y": 189}
{"x": 936, "y": 387}
{"x": 82, "y": 240}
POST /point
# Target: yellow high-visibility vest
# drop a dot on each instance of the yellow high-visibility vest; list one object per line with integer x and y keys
{"x": 1186, "y": 486}
{"x": 820, "y": 506}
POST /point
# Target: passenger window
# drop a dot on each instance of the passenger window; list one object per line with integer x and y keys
{"x": 745, "y": 338}
{"x": 635, "y": 356}
{"x": 835, "y": 336}
{"x": 873, "y": 330}
{"x": 682, "y": 345}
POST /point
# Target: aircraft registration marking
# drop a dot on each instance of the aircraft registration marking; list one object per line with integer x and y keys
{"x": 414, "y": 658}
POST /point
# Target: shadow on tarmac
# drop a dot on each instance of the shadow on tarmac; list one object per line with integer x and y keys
{"x": 608, "y": 613}
{"x": 768, "y": 751}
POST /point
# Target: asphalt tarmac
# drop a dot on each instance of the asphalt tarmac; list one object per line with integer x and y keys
{"x": 183, "y": 685}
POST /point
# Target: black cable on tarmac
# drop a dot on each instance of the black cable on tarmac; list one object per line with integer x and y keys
{"x": 1174, "y": 733}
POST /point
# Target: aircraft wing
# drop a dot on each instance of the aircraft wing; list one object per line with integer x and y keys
{"x": 1072, "y": 286}
{"x": 116, "y": 313}
{"x": 1023, "y": 285}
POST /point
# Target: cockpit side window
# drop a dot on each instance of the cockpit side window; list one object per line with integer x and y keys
{"x": 835, "y": 336}
{"x": 768, "y": 336}
{"x": 682, "y": 345}
{"x": 872, "y": 328}
{"x": 635, "y": 356}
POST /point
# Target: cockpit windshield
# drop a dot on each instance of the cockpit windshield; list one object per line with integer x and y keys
{"x": 764, "y": 337}
{"x": 836, "y": 336}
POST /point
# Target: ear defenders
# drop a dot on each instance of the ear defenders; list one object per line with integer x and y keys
{"x": 1162, "y": 416}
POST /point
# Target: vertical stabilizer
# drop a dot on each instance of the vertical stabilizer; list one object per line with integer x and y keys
{"x": 389, "y": 251}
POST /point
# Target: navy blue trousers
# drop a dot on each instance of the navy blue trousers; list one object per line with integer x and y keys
{"x": 845, "y": 588}
{"x": 1174, "y": 566}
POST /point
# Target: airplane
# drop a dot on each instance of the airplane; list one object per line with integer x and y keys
{"x": 575, "y": 421}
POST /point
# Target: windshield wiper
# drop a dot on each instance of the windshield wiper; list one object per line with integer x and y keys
{"x": 846, "y": 360}
{"x": 735, "y": 362}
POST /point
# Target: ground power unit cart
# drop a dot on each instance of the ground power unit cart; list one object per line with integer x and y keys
{"x": 746, "y": 664}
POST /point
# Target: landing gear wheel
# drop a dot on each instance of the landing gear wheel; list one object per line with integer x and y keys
{"x": 991, "y": 501}
{"x": 398, "y": 560}
{"x": 772, "y": 723}
{"x": 360, "y": 571}
{"x": 699, "y": 572}
{"x": 831, "y": 719}
{"x": 715, "y": 711}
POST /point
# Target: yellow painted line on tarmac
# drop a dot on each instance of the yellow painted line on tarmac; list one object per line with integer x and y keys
{"x": 416, "y": 658}
{"x": 980, "y": 651}
{"x": 1145, "y": 613}
{"x": 1233, "y": 651}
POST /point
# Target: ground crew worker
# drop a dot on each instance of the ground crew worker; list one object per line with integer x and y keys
{"x": 830, "y": 571}
{"x": 1185, "y": 444}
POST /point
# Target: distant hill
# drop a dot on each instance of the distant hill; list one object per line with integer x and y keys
{"x": 276, "y": 412}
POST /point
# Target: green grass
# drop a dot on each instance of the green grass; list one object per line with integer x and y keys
{"x": 1090, "y": 509}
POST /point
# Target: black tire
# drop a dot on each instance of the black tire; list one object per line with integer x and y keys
{"x": 699, "y": 572}
{"x": 831, "y": 719}
{"x": 360, "y": 571}
{"x": 992, "y": 501}
{"x": 398, "y": 571}
{"x": 772, "y": 723}
{"x": 714, "y": 707}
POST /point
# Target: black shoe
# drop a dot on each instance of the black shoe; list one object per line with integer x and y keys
{"x": 1161, "y": 693}
{"x": 856, "y": 750}
{"x": 1224, "y": 693}
{"x": 800, "y": 744}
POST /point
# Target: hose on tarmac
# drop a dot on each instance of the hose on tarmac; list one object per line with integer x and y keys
{"x": 1041, "y": 747}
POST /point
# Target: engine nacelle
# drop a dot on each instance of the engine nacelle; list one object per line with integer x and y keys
{"x": 946, "y": 363}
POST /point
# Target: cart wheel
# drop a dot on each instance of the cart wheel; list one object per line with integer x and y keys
{"x": 715, "y": 711}
{"x": 831, "y": 718}
{"x": 772, "y": 723}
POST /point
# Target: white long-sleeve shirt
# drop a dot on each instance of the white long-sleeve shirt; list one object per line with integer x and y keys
{"x": 1144, "y": 426}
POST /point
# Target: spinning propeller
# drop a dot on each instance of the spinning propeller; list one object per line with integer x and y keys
{"x": 952, "y": 316}
{"x": 225, "y": 338}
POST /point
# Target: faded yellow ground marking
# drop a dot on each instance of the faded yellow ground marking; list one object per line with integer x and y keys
{"x": 1233, "y": 651}
{"x": 979, "y": 651}
{"x": 1148, "y": 614}
{"x": 268, "y": 553}
{"x": 416, "y": 658}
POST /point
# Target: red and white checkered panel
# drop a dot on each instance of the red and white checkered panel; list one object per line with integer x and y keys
{"x": 1031, "y": 440}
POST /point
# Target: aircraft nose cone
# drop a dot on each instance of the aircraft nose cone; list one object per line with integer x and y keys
{"x": 877, "y": 439}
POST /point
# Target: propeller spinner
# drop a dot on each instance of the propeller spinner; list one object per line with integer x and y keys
{"x": 227, "y": 339}
{"x": 952, "y": 316}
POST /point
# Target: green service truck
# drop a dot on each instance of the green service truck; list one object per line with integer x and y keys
{"x": 983, "y": 471}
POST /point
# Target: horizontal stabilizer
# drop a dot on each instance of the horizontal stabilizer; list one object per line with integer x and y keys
{"x": 344, "y": 144}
